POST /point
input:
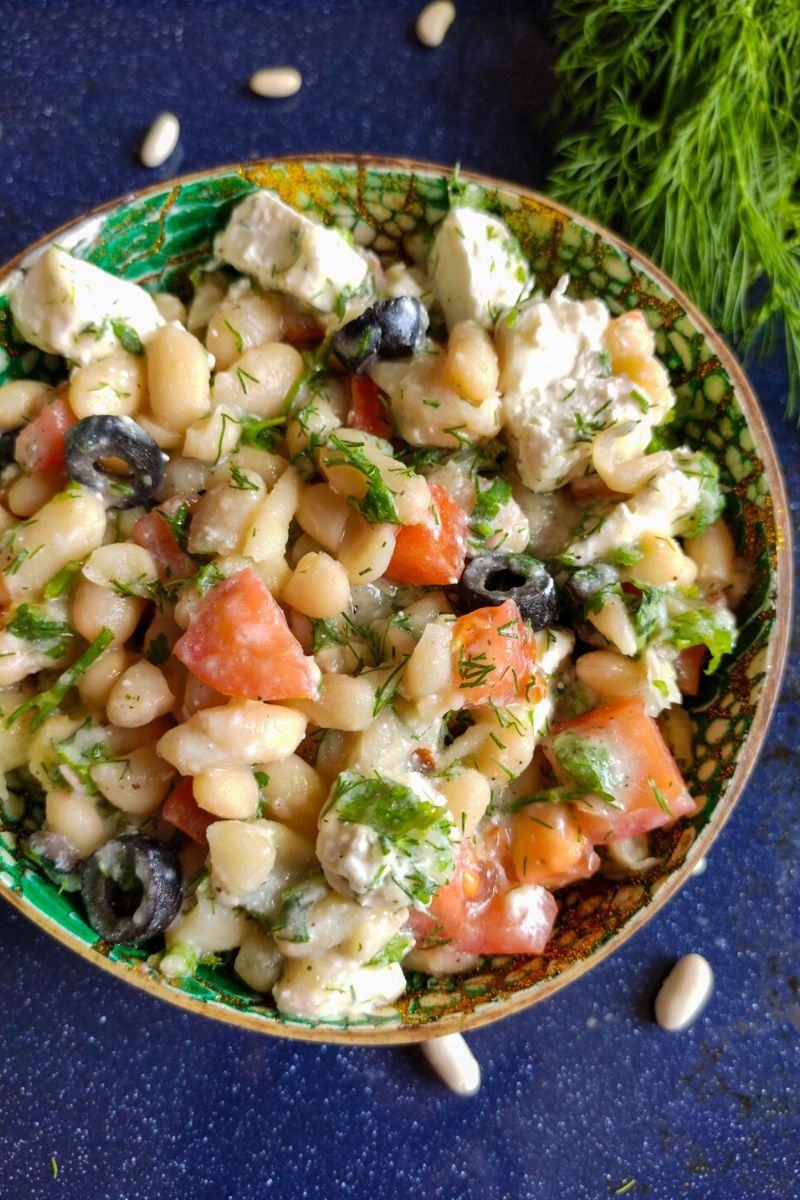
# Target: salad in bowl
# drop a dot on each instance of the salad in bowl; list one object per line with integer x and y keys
{"x": 358, "y": 593}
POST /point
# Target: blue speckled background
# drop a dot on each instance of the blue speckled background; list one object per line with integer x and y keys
{"x": 136, "y": 1100}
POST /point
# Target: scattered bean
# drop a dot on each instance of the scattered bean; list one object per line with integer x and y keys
{"x": 160, "y": 140}
{"x": 434, "y": 21}
{"x": 454, "y": 1062}
{"x": 684, "y": 993}
{"x": 276, "y": 82}
{"x": 699, "y": 867}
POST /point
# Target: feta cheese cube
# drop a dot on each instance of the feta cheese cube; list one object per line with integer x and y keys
{"x": 558, "y": 392}
{"x": 67, "y": 306}
{"x": 287, "y": 252}
{"x": 476, "y": 267}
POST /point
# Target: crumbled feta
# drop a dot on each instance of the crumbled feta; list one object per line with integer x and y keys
{"x": 668, "y": 498}
{"x": 286, "y": 251}
{"x": 558, "y": 393}
{"x": 553, "y": 648}
{"x": 67, "y": 306}
{"x": 476, "y": 267}
{"x": 372, "y": 863}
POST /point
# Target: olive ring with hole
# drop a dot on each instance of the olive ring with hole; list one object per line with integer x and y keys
{"x": 491, "y": 579}
{"x": 116, "y": 458}
{"x": 131, "y": 888}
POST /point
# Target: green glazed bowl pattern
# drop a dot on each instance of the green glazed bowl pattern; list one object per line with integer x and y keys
{"x": 157, "y": 237}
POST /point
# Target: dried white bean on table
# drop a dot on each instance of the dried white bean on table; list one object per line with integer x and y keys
{"x": 684, "y": 993}
{"x": 276, "y": 82}
{"x": 160, "y": 140}
{"x": 434, "y": 21}
{"x": 454, "y": 1063}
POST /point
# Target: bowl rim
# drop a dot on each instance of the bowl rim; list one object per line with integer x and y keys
{"x": 777, "y": 647}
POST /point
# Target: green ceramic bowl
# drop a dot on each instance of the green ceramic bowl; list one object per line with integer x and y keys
{"x": 156, "y": 236}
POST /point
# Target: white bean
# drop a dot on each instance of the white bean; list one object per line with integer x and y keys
{"x": 276, "y": 82}
{"x": 700, "y": 866}
{"x": 684, "y": 993}
{"x": 434, "y": 21}
{"x": 160, "y": 140}
{"x": 454, "y": 1063}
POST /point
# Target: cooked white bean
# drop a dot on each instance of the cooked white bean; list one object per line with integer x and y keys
{"x": 231, "y": 793}
{"x": 95, "y": 685}
{"x": 171, "y": 307}
{"x": 319, "y": 586}
{"x": 615, "y": 624}
{"x": 19, "y": 401}
{"x": 345, "y": 702}
{"x": 76, "y": 818}
{"x": 684, "y": 993}
{"x": 434, "y": 21}
{"x": 231, "y": 735}
{"x": 323, "y": 515}
{"x": 223, "y": 514}
{"x": 95, "y": 607}
{"x": 366, "y": 550}
{"x": 178, "y": 378}
{"x": 258, "y": 382}
{"x": 700, "y": 866}
{"x": 276, "y": 83}
{"x": 611, "y": 675}
{"x": 124, "y": 567}
{"x": 264, "y": 540}
{"x": 259, "y": 960}
{"x": 713, "y": 553}
{"x": 160, "y": 140}
{"x": 116, "y": 385}
{"x": 208, "y": 928}
{"x": 240, "y": 322}
{"x": 214, "y": 436}
{"x": 139, "y": 696}
{"x": 294, "y": 794}
{"x": 243, "y": 853}
{"x": 454, "y": 1063}
{"x": 69, "y": 527}
{"x": 468, "y": 795}
{"x": 28, "y": 493}
{"x": 429, "y": 671}
{"x": 137, "y": 784}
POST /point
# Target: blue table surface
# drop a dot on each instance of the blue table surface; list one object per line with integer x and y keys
{"x": 582, "y": 1094}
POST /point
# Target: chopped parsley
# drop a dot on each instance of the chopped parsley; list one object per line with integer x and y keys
{"x": 377, "y": 505}
{"x": 590, "y": 765}
{"x": 34, "y": 624}
{"x": 127, "y": 337}
{"x": 45, "y": 703}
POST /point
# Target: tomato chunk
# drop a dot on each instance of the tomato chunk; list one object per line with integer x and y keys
{"x": 432, "y": 554}
{"x": 493, "y": 657}
{"x": 642, "y": 777}
{"x": 548, "y": 847}
{"x": 182, "y": 810}
{"x": 367, "y": 410}
{"x": 240, "y": 644}
{"x": 40, "y": 445}
{"x": 481, "y": 912}
{"x": 155, "y": 534}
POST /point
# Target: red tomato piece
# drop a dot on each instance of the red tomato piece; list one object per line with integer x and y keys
{"x": 432, "y": 554}
{"x": 155, "y": 534}
{"x": 367, "y": 410}
{"x": 239, "y": 643}
{"x": 688, "y": 667}
{"x": 651, "y": 791}
{"x": 480, "y": 912}
{"x": 182, "y": 810}
{"x": 40, "y": 445}
{"x": 493, "y": 657}
{"x": 548, "y": 846}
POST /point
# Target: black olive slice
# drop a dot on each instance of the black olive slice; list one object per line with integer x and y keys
{"x": 491, "y": 579}
{"x": 94, "y": 448}
{"x": 131, "y": 888}
{"x": 8, "y": 441}
{"x": 388, "y": 329}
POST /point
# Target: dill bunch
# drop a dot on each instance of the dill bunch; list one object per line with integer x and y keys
{"x": 679, "y": 126}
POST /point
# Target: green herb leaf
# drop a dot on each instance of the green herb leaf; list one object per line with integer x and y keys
{"x": 651, "y": 93}
{"x": 158, "y": 650}
{"x": 207, "y": 577}
{"x": 394, "y": 951}
{"x": 589, "y": 764}
{"x": 34, "y": 624}
{"x": 488, "y": 503}
{"x": 61, "y": 581}
{"x": 178, "y": 523}
{"x": 127, "y": 337}
{"x": 714, "y": 628}
{"x": 377, "y": 505}
{"x": 258, "y": 433}
{"x": 291, "y": 922}
{"x": 47, "y": 702}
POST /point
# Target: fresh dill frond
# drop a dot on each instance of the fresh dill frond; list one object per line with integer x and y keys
{"x": 679, "y": 127}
